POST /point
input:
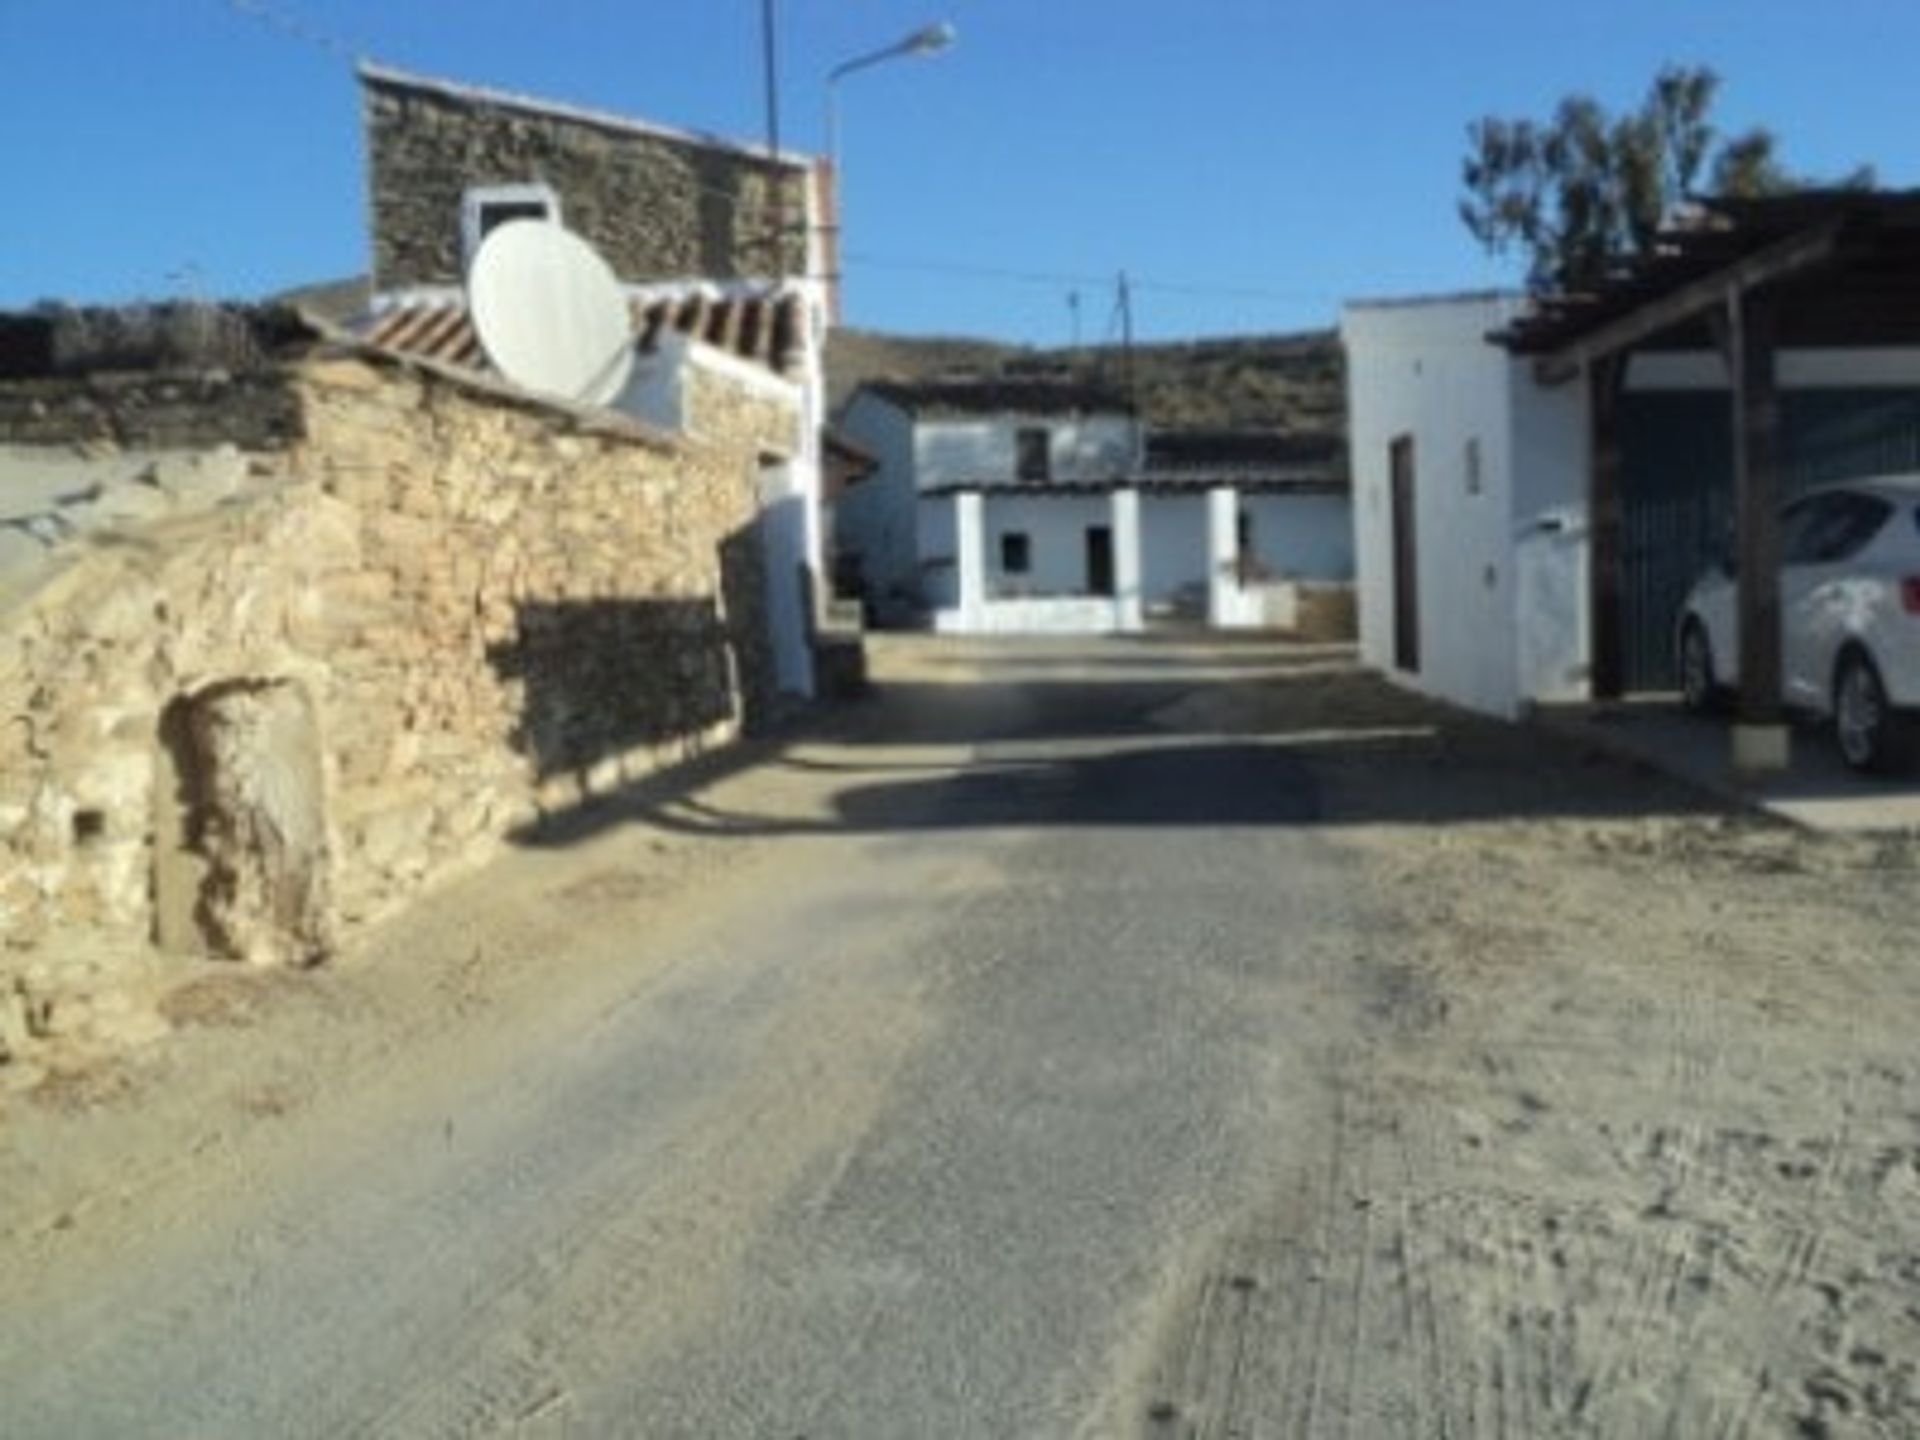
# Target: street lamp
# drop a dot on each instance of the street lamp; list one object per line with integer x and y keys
{"x": 927, "y": 40}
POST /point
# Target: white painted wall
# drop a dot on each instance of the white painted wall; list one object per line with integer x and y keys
{"x": 1302, "y": 537}
{"x": 1051, "y": 615}
{"x": 1173, "y": 545}
{"x": 1425, "y": 369}
{"x": 663, "y": 390}
{"x": 966, "y": 450}
{"x": 879, "y": 518}
{"x": 1056, "y": 530}
{"x": 939, "y": 550}
{"x": 1548, "y": 463}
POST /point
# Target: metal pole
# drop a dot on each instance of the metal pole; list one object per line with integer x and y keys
{"x": 769, "y": 31}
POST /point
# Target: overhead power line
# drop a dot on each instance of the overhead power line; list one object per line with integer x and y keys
{"x": 283, "y": 21}
{"x": 1062, "y": 277}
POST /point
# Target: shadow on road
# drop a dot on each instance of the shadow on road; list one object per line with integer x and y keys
{"x": 1095, "y": 741}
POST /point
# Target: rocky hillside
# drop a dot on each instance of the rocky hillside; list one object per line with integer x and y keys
{"x": 1248, "y": 382}
{"x": 1289, "y": 382}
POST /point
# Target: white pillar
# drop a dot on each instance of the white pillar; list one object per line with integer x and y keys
{"x": 1224, "y": 605}
{"x": 970, "y": 557}
{"x": 1125, "y": 522}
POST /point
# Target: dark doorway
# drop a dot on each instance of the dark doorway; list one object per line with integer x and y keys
{"x": 1406, "y": 559}
{"x": 1099, "y": 560}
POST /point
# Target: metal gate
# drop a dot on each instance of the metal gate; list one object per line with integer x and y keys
{"x": 1677, "y": 491}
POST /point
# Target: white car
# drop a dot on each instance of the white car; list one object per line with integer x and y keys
{"x": 1849, "y": 618}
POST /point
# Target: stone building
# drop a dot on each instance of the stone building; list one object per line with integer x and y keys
{"x": 714, "y": 242}
{"x": 285, "y": 637}
{"x": 446, "y": 161}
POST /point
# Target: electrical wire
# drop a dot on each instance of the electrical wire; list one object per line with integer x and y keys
{"x": 278, "y": 17}
{"x": 275, "y": 16}
{"x": 1062, "y": 277}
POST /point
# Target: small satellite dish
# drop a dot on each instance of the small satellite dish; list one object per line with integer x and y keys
{"x": 550, "y": 313}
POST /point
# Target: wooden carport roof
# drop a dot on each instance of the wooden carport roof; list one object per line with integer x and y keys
{"x": 1821, "y": 268}
{"x": 1842, "y": 268}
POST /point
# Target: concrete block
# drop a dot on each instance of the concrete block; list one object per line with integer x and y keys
{"x": 1761, "y": 749}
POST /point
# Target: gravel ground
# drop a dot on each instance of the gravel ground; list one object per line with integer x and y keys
{"x": 1130, "y": 1039}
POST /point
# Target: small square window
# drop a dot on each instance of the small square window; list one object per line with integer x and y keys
{"x": 487, "y": 207}
{"x": 1016, "y": 553}
{"x": 1471, "y": 465}
{"x": 499, "y": 212}
{"x": 1033, "y": 455}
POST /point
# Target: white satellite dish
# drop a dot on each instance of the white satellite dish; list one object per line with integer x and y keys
{"x": 550, "y": 313}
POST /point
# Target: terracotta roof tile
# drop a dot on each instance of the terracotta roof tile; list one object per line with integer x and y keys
{"x": 763, "y": 329}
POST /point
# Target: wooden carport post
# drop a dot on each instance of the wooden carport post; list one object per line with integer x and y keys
{"x": 1606, "y": 669}
{"x": 1760, "y": 738}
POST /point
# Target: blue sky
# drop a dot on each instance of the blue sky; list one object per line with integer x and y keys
{"x": 1250, "y": 162}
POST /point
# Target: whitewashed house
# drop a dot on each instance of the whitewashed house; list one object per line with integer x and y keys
{"x": 1018, "y": 505}
{"x": 1469, "y": 493}
{"x": 1476, "y": 455}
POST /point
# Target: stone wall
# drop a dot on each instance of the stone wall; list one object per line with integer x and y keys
{"x": 656, "y": 206}
{"x": 159, "y": 411}
{"x": 251, "y": 729}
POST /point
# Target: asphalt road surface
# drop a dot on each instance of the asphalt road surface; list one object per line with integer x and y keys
{"x": 1036, "y": 1050}
{"x": 909, "y": 1139}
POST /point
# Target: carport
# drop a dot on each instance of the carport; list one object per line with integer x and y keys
{"x": 1826, "y": 281}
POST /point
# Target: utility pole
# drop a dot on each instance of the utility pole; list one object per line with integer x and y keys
{"x": 1126, "y": 339}
{"x": 1073, "y": 310}
{"x": 769, "y": 50}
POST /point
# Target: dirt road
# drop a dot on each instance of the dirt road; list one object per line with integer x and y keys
{"x": 1124, "y": 1039}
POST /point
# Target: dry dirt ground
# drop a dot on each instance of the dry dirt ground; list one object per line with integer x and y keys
{"x": 1623, "y": 1138}
{"x": 1639, "y": 1150}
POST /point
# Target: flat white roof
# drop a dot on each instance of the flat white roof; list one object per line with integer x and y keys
{"x": 1458, "y": 297}
{"x": 604, "y": 119}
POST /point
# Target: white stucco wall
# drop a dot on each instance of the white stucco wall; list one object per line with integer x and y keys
{"x": 878, "y": 518}
{"x": 1052, "y": 615}
{"x": 1424, "y": 369}
{"x": 1056, "y": 530}
{"x": 966, "y": 450}
{"x": 1173, "y": 543}
{"x": 1547, "y": 459}
{"x": 1302, "y": 537}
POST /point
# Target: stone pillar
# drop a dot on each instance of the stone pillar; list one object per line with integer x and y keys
{"x": 1225, "y": 604}
{"x": 970, "y": 557}
{"x": 1125, "y": 522}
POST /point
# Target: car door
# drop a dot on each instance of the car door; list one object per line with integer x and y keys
{"x": 1801, "y": 542}
{"x": 1717, "y": 599}
{"x": 1818, "y": 592}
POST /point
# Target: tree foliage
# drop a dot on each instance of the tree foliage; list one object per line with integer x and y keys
{"x": 1586, "y": 190}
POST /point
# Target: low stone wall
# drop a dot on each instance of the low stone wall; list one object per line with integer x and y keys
{"x": 252, "y": 410}
{"x": 250, "y": 729}
{"x": 1325, "y": 611}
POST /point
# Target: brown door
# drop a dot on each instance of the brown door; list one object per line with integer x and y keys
{"x": 1099, "y": 560}
{"x": 1406, "y": 559}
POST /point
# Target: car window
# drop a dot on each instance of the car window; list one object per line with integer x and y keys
{"x": 1852, "y": 521}
{"x": 1797, "y": 521}
{"x": 1826, "y": 529}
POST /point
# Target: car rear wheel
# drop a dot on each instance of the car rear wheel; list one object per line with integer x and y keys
{"x": 1697, "y": 690}
{"x": 1872, "y": 734}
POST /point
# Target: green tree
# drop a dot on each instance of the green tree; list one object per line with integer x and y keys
{"x": 1581, "y": 193}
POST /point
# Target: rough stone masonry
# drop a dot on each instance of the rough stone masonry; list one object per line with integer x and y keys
{"x": 655, "y": 204}
{"x": 409, "y": 612}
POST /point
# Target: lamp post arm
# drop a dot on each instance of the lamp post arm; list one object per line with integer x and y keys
{"x": 875, "y": 57}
